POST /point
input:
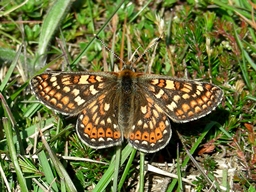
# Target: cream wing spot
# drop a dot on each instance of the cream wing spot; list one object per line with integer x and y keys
{"x": 200, "y": 88}
{"x": 83, "y": 79}
{"x": 101, "y": 85}
{"x": 145, "y": 125}
{"x": 152, "y": 88}
{"x": 167, "y": 123}
{"x": 94, "y": 109}
{"x": 185, "y": 96}
{"x": 197, "y": 109}
{"x": 54, "y": 84}
{"x": 143, "y": 109}
{"x": 53, "y": 101}
{"x": 198, "y": 92}
{"x": 66, "y": 89}
{"x": 47, "y": 97}
{"x": 75, "y": 92}
{"x": 99, "y": 79}
{"x": 151, "y": 126}
{"x": 204, "y": 106}
{"x": 79, "y": 100}
{"x": 155, "y": 113}
{"x": 144, "y": 143}
{"x": 65, "y": 78}
{"x": 109, "y": 120}
{"x": 170, "y": 84}
{"x": 106, "y": 106}
{"x": 172, "y": 106}
{"x": 94, "y": 117}
{"x": 139, "y": 123}
{"x": 53, "y": 79}
{"x": 154, "y": 81}
{"x": 159, "y": 94}
{"x": 102, "y": 122}
{"x": 93, "y": 90}
{"x": 186, "y": 89}
{"x": 101, "y": 139}
{"x": 153, "y": 121}
{"x": 176, "y": 98}
{"x": 97, "y": 120}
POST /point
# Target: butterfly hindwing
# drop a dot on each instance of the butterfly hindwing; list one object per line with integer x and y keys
{"x": 151, "y": 129}
{"x": 97, "y": 125}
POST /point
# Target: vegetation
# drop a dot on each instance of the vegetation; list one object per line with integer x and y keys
{"x": 205, "y": 40}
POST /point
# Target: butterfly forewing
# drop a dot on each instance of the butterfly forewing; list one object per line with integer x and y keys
{"x": 69, "y": 93}
{"x": 182, "y": 100}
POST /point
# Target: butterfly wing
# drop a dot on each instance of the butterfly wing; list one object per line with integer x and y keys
{"x": 70, "y": 93}
{"x": 181, "y": 100}
{"x": 91, "y": 95}
{"x": 151, "y": 129}
{"x": 97, "y": 125}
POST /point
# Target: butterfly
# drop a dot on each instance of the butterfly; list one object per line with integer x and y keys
{"x": 112, "y": 106}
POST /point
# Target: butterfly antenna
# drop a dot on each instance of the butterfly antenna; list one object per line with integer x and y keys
{"x": 106, "y": 47}
{"x": 151, "y": 44}
{"x": 136, "y": 51}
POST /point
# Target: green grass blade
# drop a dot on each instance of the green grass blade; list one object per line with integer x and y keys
{"x": 5, "y": 13}
{"x": 108, "y": 175}
{"x": 59, "y": 168}
{"x": 10, "y": 70}
{"x": 10, "y": 55}
{"x": 12, "y": 152}
{"x": 142, "y": 170}
{"x": 116, "y": 171}
{"x": 46, "y": 167}
{"x": 243, "y": 64}
{"x": 51, "y": 22}
{"x": 127, "y": 169}
{"x": 78, "y": 58}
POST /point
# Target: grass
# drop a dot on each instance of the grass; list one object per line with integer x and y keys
{"x": 209, "y": 40}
